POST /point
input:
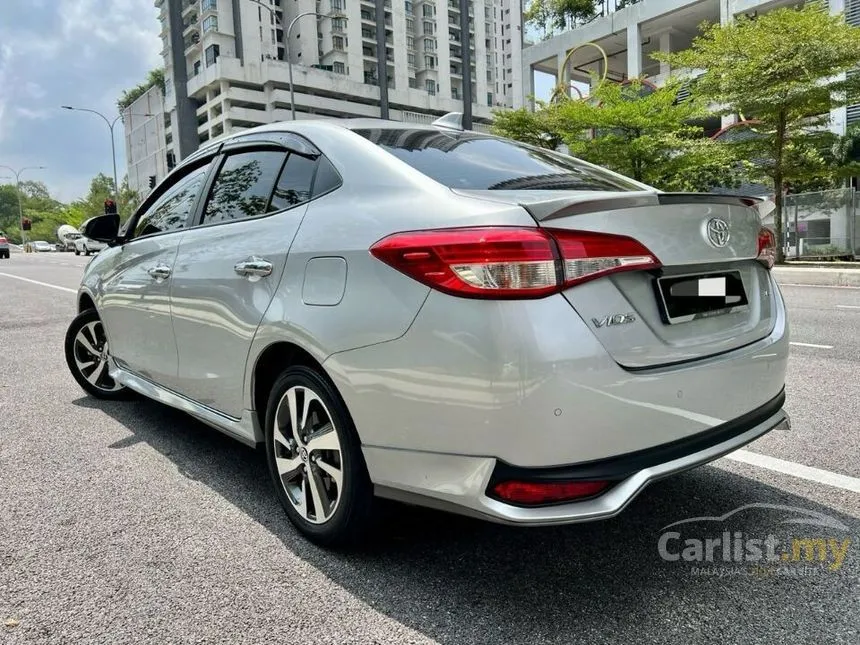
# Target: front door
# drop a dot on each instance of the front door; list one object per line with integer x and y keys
{"x": 228, "y": 268}
{"x": 135, "y": 299}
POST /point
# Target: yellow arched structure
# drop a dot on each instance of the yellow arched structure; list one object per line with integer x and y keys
{"x": 562, "y": 90}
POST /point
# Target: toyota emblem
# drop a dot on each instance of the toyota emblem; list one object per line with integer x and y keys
{"x": 718, "y": 232}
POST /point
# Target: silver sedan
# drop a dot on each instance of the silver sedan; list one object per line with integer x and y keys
{"x": 437, "y": 316}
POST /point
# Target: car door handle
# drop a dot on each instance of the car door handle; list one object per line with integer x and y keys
{"x": 254, "y": 267}
{"x": 159, "y": 272}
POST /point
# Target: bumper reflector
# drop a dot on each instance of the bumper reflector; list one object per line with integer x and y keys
{"x": 547, "y": 492}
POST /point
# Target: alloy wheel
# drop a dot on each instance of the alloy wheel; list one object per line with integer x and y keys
{"x": 308, "y": 454}
{"x": 91, "y": 356}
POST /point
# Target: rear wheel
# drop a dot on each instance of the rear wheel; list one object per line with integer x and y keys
{"x": 87, "y": 354}
{"x": 86, "y": 250}
{"x": 76, "y": 251}
{"x": 315, "y": 459}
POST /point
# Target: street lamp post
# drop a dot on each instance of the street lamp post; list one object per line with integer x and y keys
{"x": 110, "y": 125}
{"x": 17, "y": 174}
{"x": 288, "y": 32}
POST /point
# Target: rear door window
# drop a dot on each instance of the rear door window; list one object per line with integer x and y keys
{"x": 294, "y": 184}
{"x": 470, "y": 160}
{"x": 243, "y": 186}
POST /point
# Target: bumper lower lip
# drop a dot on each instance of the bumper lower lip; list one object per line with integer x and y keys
{"x": 458, "y": 483}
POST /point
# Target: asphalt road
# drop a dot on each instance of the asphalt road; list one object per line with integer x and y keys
{"x": 130, "y": 522}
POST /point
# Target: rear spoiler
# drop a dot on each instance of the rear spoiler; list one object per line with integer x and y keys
{"x": 553, "y": 209}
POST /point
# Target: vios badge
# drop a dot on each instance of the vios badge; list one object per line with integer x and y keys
{"x": 613, "y": 319}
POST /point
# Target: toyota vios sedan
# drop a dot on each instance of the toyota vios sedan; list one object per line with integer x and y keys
{"x": 440, "y": 317}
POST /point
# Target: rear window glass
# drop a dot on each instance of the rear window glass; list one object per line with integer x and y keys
{"x": 475, "y": 161}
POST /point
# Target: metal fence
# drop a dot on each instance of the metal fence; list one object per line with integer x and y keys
{"x": 822, "y": 224}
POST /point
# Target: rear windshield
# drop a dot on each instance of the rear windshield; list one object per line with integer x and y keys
{"x": 480, "y": 162}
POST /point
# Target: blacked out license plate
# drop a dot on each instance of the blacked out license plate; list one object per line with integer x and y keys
{"x": 690, "y": 297}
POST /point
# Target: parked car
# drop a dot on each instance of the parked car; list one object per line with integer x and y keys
{"x": 4, "y": 248}
{"x": 42, "y": 247}
{"x": 87, "y": 246}
{"x": 440, "y": 317}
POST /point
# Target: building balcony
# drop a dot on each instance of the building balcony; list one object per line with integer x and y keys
{"x": 189, "y": 25}
{"x": 187, "y": 6}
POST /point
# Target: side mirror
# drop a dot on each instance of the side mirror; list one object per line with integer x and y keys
{"x": 102, "y": 228}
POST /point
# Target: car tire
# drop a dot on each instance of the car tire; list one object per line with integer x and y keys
{"x": 86, "y": 250}
{"x": 85, "y": 331}
{"x": 77, "y": 252}
{"x": 305, "y": 465}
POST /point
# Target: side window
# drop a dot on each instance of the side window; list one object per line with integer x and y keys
{"x": 243, "y": 186}
{"x": 170, "y": 212}
{"x": 294, "y": 184}
{"x": 326, "y": 179}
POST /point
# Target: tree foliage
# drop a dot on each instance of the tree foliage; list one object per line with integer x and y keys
{"x": 155, "y": 77}
{"x": 552, "y": 15}
{"x": 648, "y": 136}
{"x": 784, "y": 68}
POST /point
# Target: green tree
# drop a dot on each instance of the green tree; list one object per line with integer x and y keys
{"x": 648, "y": 136}
{"x": 155, "y": 77}
{"x": 784, "y": 68}
{"x": 549, "y": 15}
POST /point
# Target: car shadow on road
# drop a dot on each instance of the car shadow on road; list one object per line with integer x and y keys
{"x": 460, "y": 580}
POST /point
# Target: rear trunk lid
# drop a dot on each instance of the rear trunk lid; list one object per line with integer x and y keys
{"x": 643, "y": 318}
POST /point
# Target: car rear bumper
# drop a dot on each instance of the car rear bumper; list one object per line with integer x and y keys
{"x": 460, "y": 483}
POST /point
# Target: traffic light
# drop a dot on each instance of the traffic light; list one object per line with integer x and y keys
{"x": 26, "y": 224}
{"x": 152, "y": 181}
{"x": 110, "y": 207}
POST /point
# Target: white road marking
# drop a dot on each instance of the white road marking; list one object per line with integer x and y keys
{"x": 811, "y": 345}
{"x": 796, "y": 470}
{"x": 848, "y": 306}
{"x": 42, "y": 284}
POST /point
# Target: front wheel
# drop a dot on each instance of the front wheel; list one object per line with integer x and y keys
{"x": 87, "y": 354}
{"x": 77, "y": 252}
{"x": 315, "y": 459}
{"x": 86, "y": 250}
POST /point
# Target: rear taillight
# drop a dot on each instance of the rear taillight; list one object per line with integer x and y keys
{"x": 533, "y": 493}
{"x": 503, "y": 262}
{"x": 766, "y": 247}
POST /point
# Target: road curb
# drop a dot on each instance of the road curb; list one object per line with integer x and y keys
{"x": 818, "y": 276}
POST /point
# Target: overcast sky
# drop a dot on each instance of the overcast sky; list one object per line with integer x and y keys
{"x": 69, "y": 52}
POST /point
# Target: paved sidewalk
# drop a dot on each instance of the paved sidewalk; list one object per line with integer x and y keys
{"x": 840, "y": 276}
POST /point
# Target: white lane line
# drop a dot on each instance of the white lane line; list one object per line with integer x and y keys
{"x": 796, "y": 470}
{"x": 848, "y": 306}
{"x": 811, "y": 345}
{"x": 41, "y": 284}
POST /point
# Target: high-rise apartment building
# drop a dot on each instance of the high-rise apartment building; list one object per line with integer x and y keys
{"x": 226, "y": 62}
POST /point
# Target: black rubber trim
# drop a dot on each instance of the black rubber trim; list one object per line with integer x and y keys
{"x": 622, "y": 466}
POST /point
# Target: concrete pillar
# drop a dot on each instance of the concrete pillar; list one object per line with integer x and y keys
{"x": 728, "y": 119}
{"x": 726, "y": 12}
{"x": 634, "y": 50}
{"x": 528, "y": 87}
{"x": 665, "y": 47}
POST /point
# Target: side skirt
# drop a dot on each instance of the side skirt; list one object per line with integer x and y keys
{"x": 247, "y": 429}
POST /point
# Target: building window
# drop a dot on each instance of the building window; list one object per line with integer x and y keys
{"x": 430, "y": 62}
{"x": 337, "y": 5}
{"x": 367, "y": 32}
{"x": 430, "y": 84}
{"x": 410, "y": 58}
{"x": 196, "y": 68}
{"x": 429, "y": 10}
{"x": 429, "y": 45}
{"x": 489, "y": 98}
{"x": 429, "y": 28}
{"x": 366, "y": 15}
{"x": 413, "y": 83}
{"x": 408, "y": 6}
{"x": 210, "y": 4}
{"x": 337, "y": 43}
{"x": 410, "y": 42}
{"x": 338, "y": 23}
{"x": 338, "y": 67}
{"x": 212, "y": 53}
{"x": 410, "y": 26}
{"x": 210, "y": 23}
